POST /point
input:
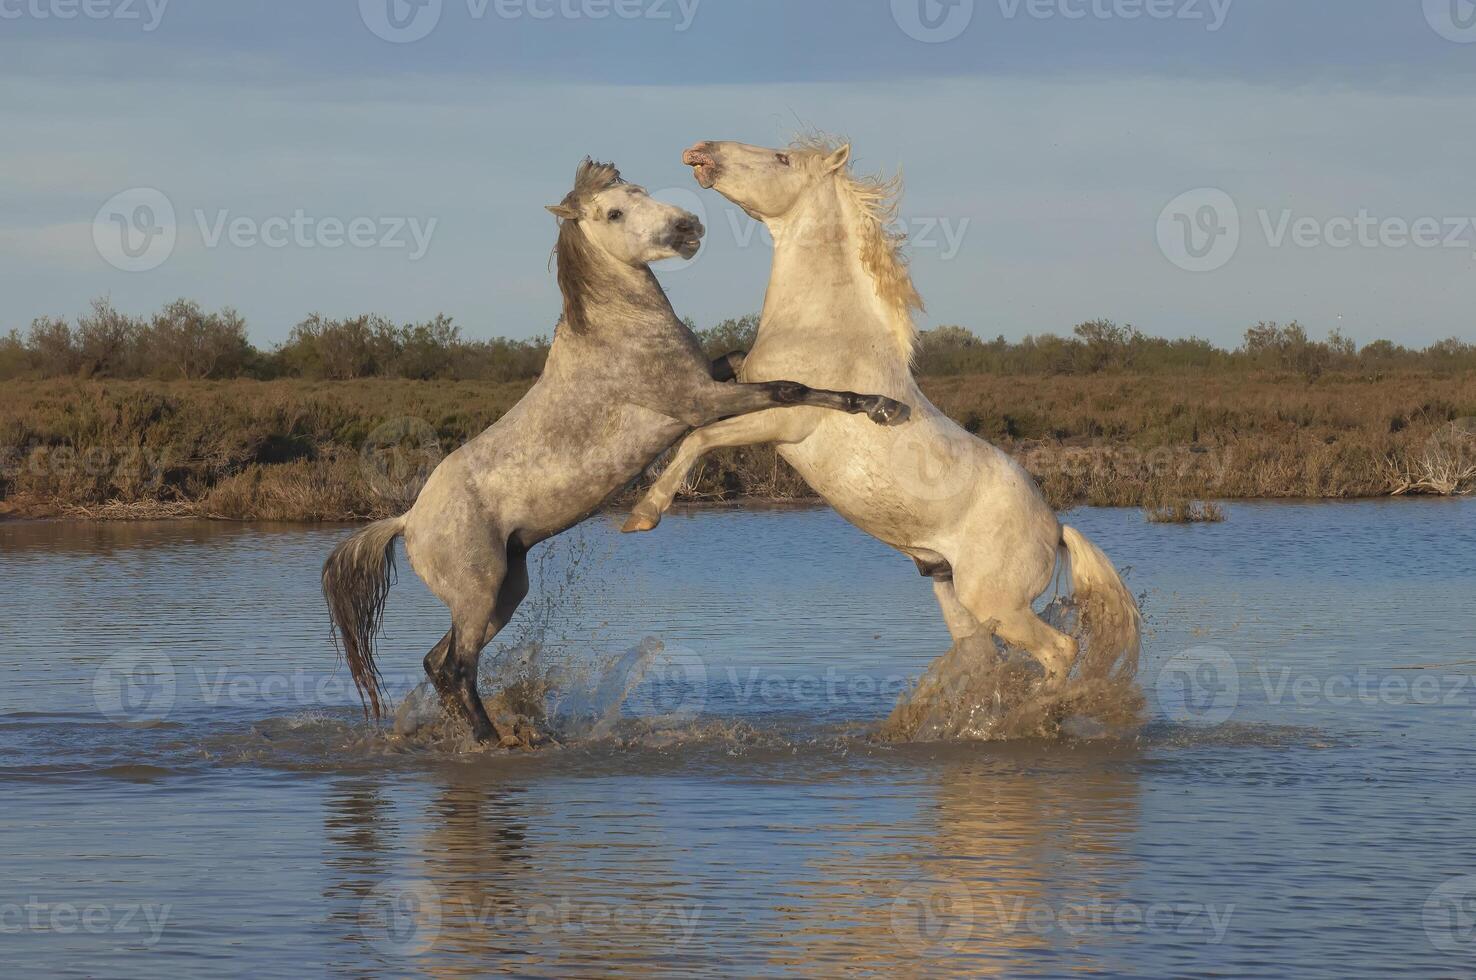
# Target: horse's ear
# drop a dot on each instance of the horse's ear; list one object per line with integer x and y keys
{"x": 561, "y": 211}
{"x": 838, "y": 159}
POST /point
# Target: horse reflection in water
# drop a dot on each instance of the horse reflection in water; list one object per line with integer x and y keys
{"x": 1016, "y": 847}
{"x": 474, "y": 888}
{"x": 500, "y": 877}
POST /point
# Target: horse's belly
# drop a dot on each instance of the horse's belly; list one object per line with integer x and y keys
{"x": 543, "y": 481}
{"x": 887, "y": 480}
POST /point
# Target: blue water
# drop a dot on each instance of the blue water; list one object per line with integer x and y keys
{"x": 1297, "y": 804}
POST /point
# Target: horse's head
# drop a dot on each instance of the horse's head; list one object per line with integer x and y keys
{"x": 765, "y": 182}
{"x": 623, "y": 221}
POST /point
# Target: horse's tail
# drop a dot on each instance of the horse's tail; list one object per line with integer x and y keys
{"x": 1109, "y": 617}
{"x": 356, "y": 582}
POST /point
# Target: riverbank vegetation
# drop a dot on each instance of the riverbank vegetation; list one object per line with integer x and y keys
{"x": 179, "y": 414}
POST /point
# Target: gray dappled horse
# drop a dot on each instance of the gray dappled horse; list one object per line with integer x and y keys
{"x": 625, "y": 379}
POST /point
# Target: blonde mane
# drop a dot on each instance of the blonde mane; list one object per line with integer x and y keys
{"x": 876, "y": 201}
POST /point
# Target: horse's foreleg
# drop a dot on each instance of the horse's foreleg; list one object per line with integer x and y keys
{"x": 778, "y": 426}
{"x": 961, "y": 623}
{"x": 723, "y": 401}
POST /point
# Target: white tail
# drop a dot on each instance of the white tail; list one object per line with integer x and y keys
{"x": 1110, "y": 621}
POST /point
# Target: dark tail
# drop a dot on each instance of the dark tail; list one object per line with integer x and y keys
{"x": 356, "y": 582}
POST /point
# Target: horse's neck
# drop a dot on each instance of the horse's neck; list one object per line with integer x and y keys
{"x": 821, "y": 301}
{"x": 627, "y": 298}
{"x": 629, "y": 326}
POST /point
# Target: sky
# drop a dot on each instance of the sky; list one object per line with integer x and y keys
{"x": 1191, "y": 167}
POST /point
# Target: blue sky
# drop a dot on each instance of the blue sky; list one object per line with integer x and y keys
{"x": 1190, "y": 166}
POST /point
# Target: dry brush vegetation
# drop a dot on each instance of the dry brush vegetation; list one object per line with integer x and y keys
{"x": 313, "y": 450}
{"x": 316, "y": 430}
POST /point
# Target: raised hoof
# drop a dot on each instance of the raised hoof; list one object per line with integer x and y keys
{"x": 638, "y": 522}
{"x": 887, "y": 411}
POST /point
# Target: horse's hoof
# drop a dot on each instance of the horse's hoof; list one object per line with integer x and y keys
{"x": 887, "y": 411}
{"x": 638, "y": 522}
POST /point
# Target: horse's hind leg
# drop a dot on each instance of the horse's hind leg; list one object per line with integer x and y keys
{"x": 452, "y": 668}
{"x": 479, "y": 629}
{"x": 1017, "y": 624}
{"x": 1054, "y": 650}
{"x": 482, "y": 588}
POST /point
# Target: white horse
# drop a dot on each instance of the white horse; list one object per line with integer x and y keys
{"x": 838, "y": 314}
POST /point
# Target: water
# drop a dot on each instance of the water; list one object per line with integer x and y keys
{"x": 188, "y": 785}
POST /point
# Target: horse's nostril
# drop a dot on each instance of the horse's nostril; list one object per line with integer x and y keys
{"x": 686, "y": 227}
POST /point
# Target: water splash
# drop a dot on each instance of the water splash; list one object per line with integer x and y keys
{"x": 576, "y": 697}
{"x": 591, "y": 703}
{"x": 984, "y": 690}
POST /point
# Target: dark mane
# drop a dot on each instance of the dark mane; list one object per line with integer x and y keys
{"x": 577, "y": 264}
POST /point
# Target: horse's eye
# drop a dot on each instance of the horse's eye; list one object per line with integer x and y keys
{"x": 615, "y": 215}
{"x": 782, "y": 158}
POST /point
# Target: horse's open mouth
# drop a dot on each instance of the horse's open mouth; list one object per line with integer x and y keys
{"x": 704, "y": 167}
{"x": 687, "y": 247}
{"x": 706, "y": 174}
